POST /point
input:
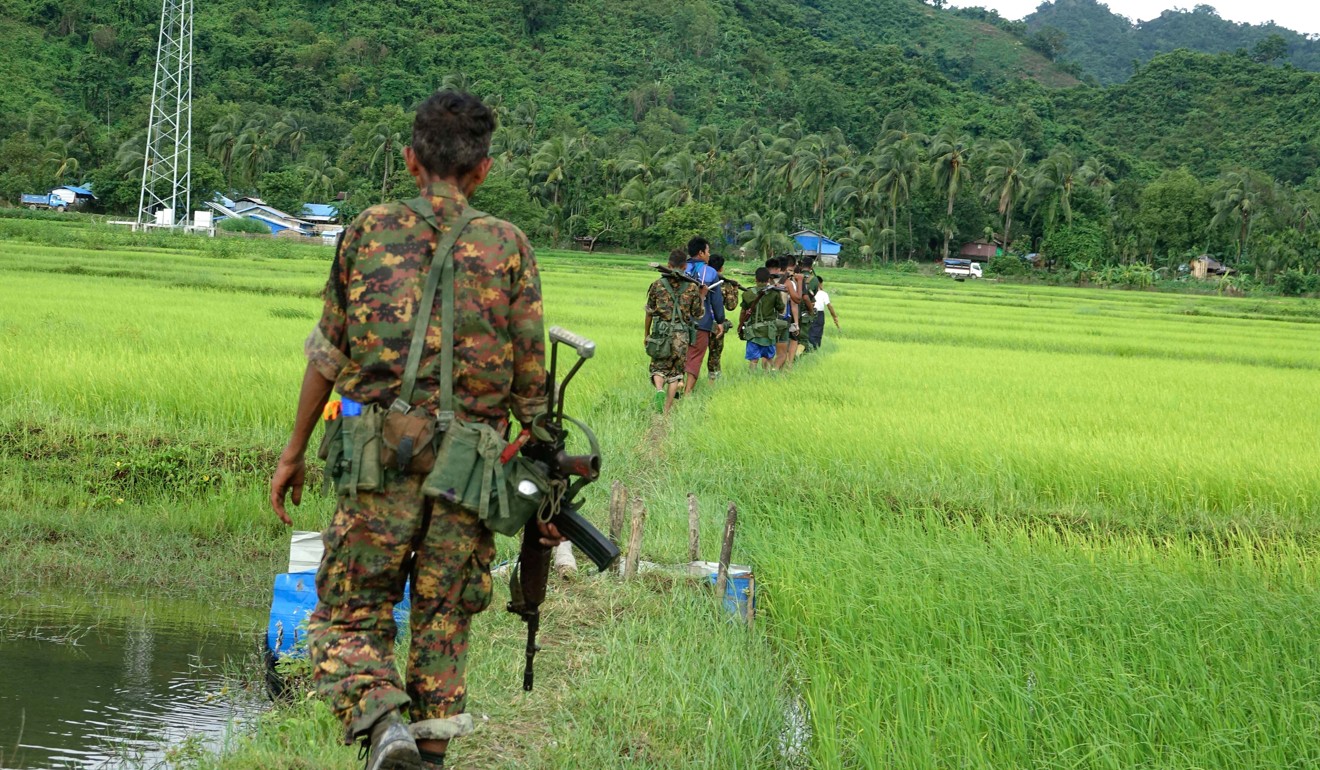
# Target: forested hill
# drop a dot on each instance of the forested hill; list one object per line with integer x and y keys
{"x": 901, "y": 128}
{"x": 602, "y": 65}
{"x": 1105, "y": 45}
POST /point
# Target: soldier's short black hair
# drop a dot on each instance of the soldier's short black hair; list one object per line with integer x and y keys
{"x": 789, "y": 260}
{"x": 772, "y": 262}
{"x": 451, "y": 133}
{"x": 781, "y": 262}
{"x": 807, "y": 262}
{"x": 717, "y": 261}
{"x": 697, "y": 245}
{"x": 677, "y": 259}
{"x": 762, "y": 274}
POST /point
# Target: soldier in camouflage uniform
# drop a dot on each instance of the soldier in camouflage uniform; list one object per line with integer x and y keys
{"x": 378, "y": 538}
{"x": 729, "y": 295}
{"x": 675, "y": 304}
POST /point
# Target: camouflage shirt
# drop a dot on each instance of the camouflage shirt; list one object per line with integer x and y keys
{"x": 376, "y": 284}
{"x": 730, "y": 295}
{"x": 660, "y": 304}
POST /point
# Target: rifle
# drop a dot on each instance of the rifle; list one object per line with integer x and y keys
{"x": 670, "y": 272}
{"x": 569, "y": 475}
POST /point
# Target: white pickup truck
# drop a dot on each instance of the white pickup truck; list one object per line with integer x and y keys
{"x": 962, "y": 269}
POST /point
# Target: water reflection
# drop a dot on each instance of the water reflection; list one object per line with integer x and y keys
{"x": 116, "y": 682}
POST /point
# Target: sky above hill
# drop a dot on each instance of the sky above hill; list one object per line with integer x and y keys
{"x": 1300, "y": 15}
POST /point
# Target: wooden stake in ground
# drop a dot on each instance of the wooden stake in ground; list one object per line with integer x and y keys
{"x": 694, "y": 527}
{"x": 726, "y": 551}
{"x": 635, "y": 539}
{"x": 618, "y": 503}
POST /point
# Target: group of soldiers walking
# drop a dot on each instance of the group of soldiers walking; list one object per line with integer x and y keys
{"x": 780, "y": 318}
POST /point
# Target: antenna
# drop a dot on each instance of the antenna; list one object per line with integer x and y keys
{"x": 167, "y": 161}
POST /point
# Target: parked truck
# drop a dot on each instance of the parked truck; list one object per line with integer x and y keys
{"x": 962, "y": 269}
{"x": 44, "y": 201}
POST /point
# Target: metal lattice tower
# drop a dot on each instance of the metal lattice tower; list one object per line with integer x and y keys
{"x": 167, "y": 161}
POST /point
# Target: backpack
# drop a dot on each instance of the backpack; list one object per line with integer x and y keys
{"x": 766, "y": 323}
{"x": 660, "y": 345}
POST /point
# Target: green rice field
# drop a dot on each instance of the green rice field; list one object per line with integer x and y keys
{"x": 992, "y": 525}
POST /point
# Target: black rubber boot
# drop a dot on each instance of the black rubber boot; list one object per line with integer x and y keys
{"x": 432, "y": 761}
{"x": 392, "y": 747}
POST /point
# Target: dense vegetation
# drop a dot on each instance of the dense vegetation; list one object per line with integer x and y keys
{"x": 901, "y": 129}
{"x": 1107, "y": 46}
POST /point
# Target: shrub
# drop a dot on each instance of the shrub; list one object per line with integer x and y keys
{"x": 243, "y": 225}
{"x": 1007, "y": 264}
{"x": 1293, "y": 282}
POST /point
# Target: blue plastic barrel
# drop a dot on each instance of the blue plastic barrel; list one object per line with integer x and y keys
{"x": 293, "y": 600}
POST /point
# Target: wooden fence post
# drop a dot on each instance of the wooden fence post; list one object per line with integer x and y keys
{"x": 694, "y": 528}
{"x": 618, "y": 502}
{"x": 635, "y": 540}
{"x": 726, "y": 552}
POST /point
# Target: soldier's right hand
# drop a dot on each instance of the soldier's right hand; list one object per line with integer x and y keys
{"x": 289, "y": 476}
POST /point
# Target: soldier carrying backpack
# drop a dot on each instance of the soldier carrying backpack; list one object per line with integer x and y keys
{"x": 762, "y": 320}
{"x": 673, "y": 306}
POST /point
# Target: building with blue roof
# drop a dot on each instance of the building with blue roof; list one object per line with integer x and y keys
{"x": 812, "y": 244}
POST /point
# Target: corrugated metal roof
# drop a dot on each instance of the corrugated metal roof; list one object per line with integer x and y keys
{"x": 319, "y": 210}
{"x": 77, "y": 190}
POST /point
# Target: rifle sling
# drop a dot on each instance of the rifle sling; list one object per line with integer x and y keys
{"x": 440, "y": 269}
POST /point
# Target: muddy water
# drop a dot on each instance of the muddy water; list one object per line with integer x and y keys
{"x": 112, "y": 682}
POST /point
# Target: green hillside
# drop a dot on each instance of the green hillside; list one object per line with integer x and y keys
{"x": 901, "y": 129}
{"x": 1105, "y": 45}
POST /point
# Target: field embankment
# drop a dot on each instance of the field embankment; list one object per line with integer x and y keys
{"x": 993, "y": 525}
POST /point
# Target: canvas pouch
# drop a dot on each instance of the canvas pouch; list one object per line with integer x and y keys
{"x": 408, "y": 441}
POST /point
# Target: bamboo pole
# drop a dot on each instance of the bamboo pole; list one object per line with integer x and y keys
{"x": 726, "y": 551}
{"x": 694, "y": 528}
{"x": 635, "y": 539}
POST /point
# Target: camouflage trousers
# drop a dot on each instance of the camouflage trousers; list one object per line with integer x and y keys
{"x": 368, "y": 556}
{"x": 671, "y": 368}
{"x": 714, "y": 353}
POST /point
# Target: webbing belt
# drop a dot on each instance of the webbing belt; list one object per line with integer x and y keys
{"x": 441, "y": 269}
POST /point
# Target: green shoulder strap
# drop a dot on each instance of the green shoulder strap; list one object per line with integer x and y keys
{"x": 441, "y": 268}
{"x": 677, "y": 299}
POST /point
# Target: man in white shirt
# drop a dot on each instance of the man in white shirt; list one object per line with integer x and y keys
{"x": 818, "y": 327}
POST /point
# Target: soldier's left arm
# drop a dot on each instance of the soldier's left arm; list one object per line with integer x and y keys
{"x": 527, "y": 335}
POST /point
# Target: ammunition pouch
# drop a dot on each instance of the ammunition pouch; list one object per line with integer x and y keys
{"x": 351, "y": 448}
{"x": 407, "y": 441}
{"x": 470, "y": 472}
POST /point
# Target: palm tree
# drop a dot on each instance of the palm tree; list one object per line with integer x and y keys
{"x": 1237, "y": 198}
{"x": 1052, "y": 186}
{"x": 899, "y": 167}
{"x": 767, "y": 236}
{"x": 60, "y": 157}
{"x": 290, "y": 133}
{"x": 385, "y": 139}
{"x": 870, "y": 237}
{"x": 255, "y": 148}
{"x": 820, "y": 160}
{"x": 222, "y": 140}
{"x": 950, "y": 154}
{"x": 1006, "y": 180}
{"x": 322, "y": 176}
{"x": 128, "y": 157}
{"x": 551, "y": 166}
{"x": 705, "y": 149}
{"x": 681, "y": 182}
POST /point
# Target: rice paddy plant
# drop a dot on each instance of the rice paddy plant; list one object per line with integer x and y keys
{"x": 992, "y": 525}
